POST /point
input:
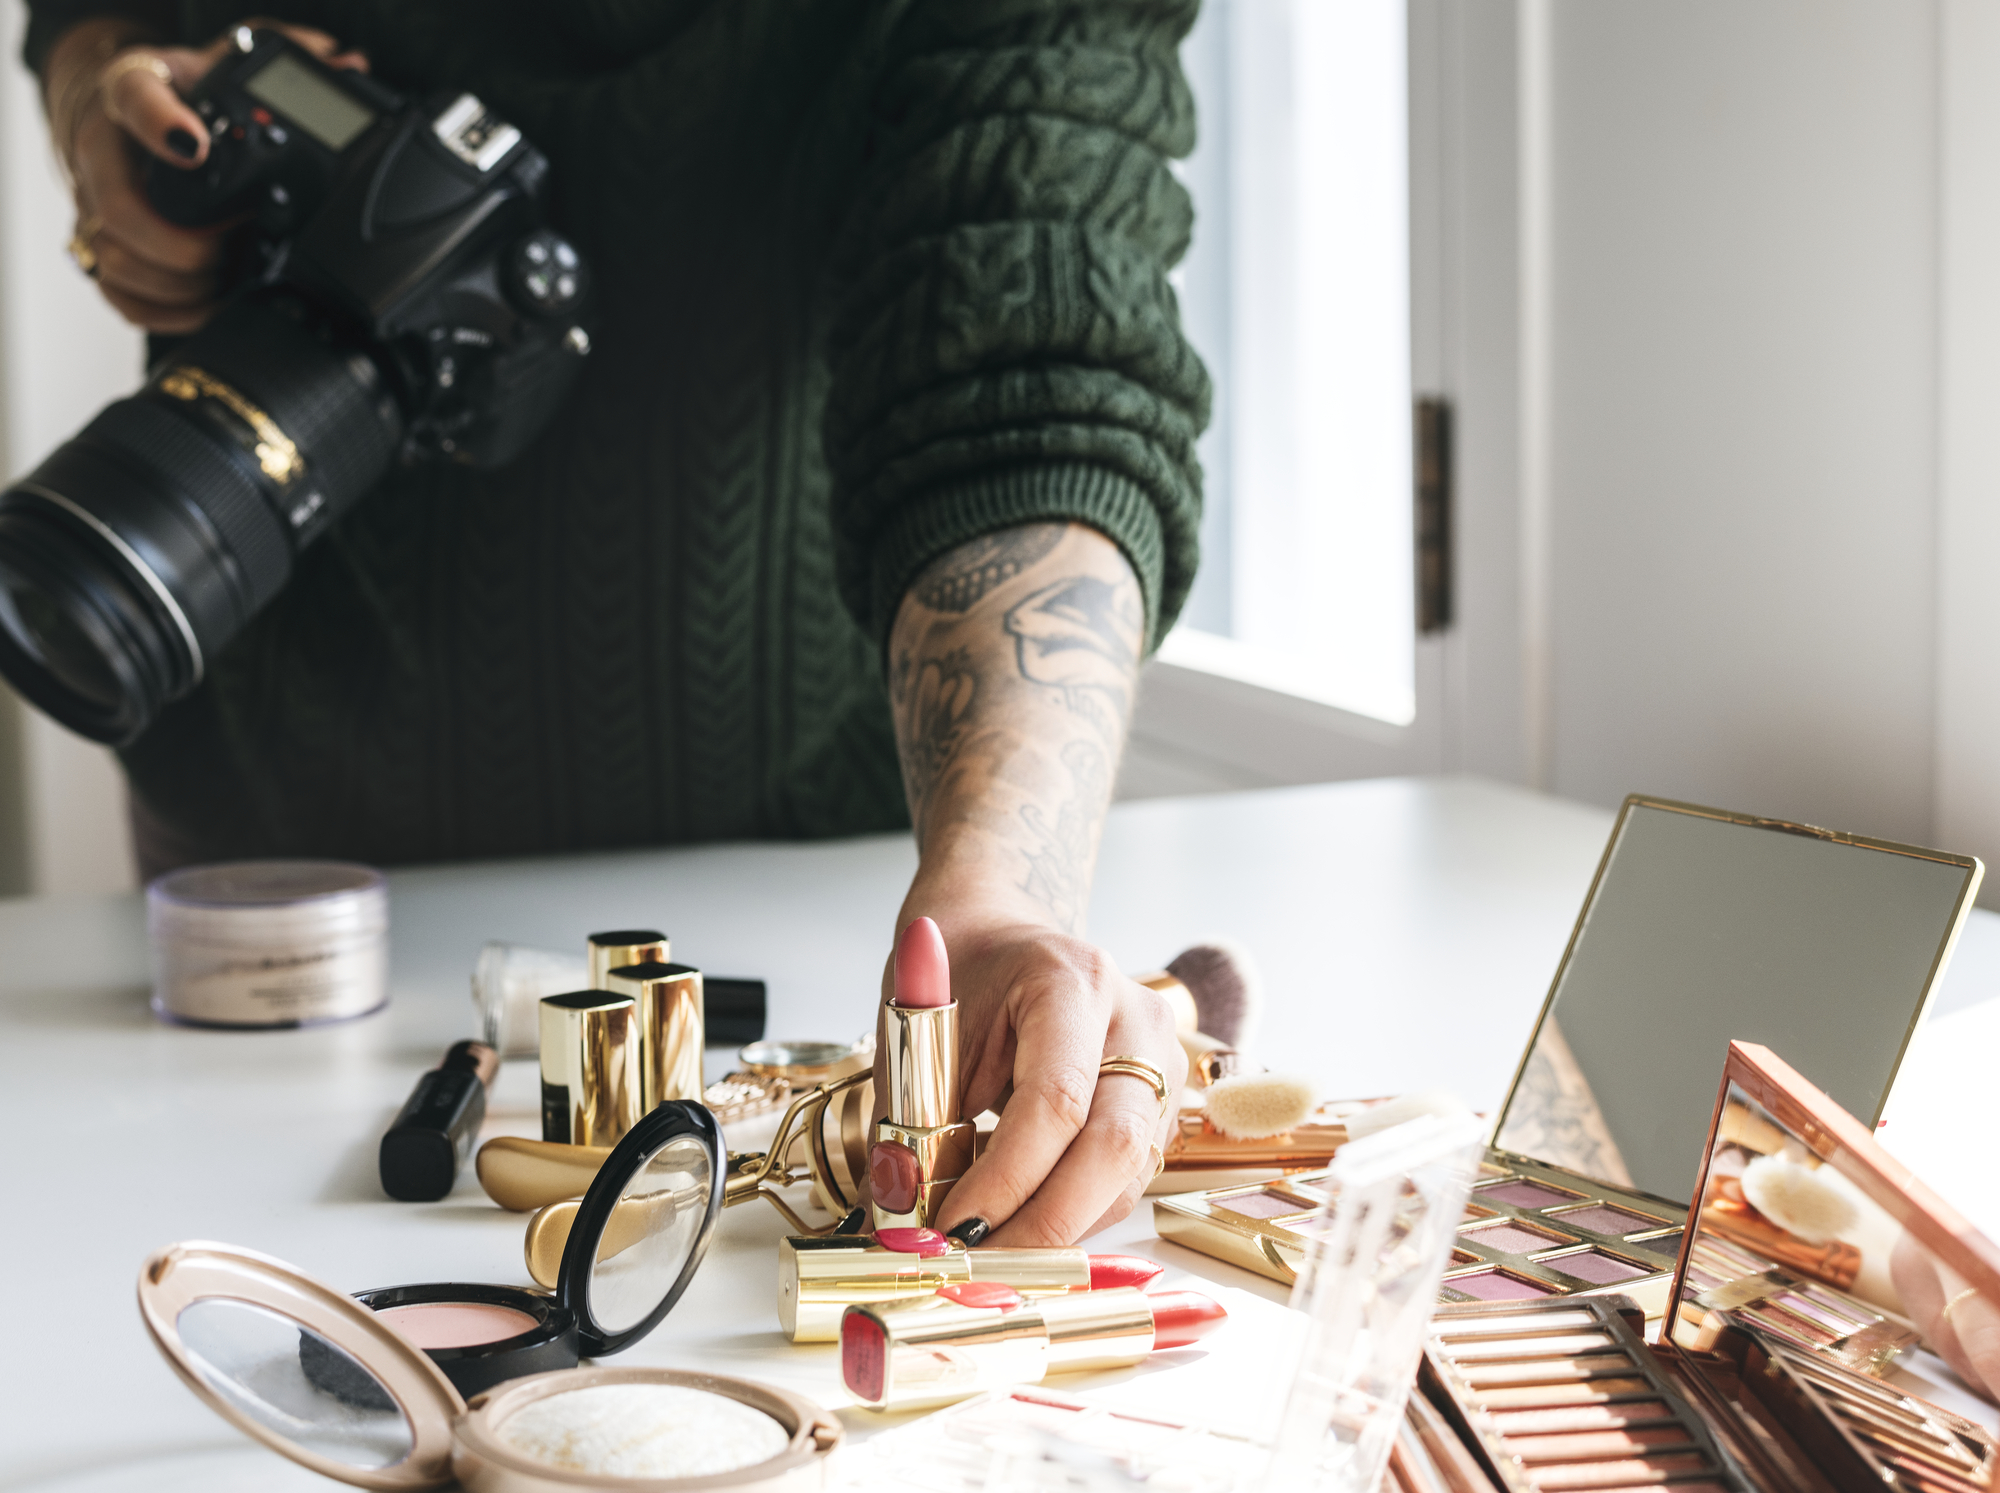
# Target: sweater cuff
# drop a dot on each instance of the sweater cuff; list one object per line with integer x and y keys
{"x": 927, "y": 527}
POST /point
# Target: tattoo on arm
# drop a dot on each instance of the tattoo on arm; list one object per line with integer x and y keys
{"x": 933, "y": 699}
{"x": 1080, "y": 635}
{"x": 1059, "y": 854}
{"x": 961, "y": 579}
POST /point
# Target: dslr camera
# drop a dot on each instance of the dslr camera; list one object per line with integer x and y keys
{"x": 397, "y": 296}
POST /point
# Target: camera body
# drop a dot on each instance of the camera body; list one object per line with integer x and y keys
{"x": 415, "y": 229}
{"x": 395, "y": 295}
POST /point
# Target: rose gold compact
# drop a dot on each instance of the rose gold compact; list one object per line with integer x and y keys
{"x": 640, "y": 1233}
{"x": 1702, "y": 926}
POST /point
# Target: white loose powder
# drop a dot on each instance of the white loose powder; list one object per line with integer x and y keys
{"x": 644, "y": 1430}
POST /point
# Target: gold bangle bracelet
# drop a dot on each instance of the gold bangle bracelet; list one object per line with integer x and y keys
{"x": 1945, "y": 1315}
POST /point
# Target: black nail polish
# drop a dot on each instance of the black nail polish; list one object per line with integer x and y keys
{"x": 182, "y": 144}
{"x": 971, "y": 1233}
{"x": 855, "y": 1222}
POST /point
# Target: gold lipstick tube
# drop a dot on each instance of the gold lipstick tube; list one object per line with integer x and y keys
{"x": 670, "y": 1028}
{"x": 820, "y": 1276}
{"x": 608, "y": 951}
{"x": 921, "y": 1056}
{"x": 934, "y": 1351}
{"x": 590, "y": 1067}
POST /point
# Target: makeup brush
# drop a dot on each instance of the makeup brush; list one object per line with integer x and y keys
{"x": 1222, "y": 983}
{"x": 1798, "y": 1199}
{"x": 1252, "y": 1105}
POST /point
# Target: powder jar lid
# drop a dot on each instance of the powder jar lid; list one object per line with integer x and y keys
{"x": 255, "y": 1339}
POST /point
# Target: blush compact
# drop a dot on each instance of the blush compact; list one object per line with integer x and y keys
{"x": 233, "y": 1322}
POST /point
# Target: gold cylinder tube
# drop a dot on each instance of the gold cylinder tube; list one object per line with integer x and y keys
{"x": 669, "y": 998}
{"x": 523, "y": 1175}
{"x": 590, "y": 1067}
{"x": 623, "y": 946}
{"x": 920, "y": 1055}
{"x": 819, "y": 1277}
{"x": 933, "y": 1351}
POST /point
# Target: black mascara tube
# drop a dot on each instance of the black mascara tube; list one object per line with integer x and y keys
{"x": 432, "y": 1137}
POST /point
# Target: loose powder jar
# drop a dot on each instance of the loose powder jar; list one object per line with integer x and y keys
{"x": 269, "y": 943}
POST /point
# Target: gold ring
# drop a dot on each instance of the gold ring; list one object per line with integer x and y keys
{"x": 80, "y": 247}
{"x": 1139, "y": 1068}
{"x": 1159, "y": 1163}
{"x": 1945, "y": 1315}
{"x": 131, "y": 61}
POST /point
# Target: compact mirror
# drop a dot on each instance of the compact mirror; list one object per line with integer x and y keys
{"x": 1704, "y": 927}
{"x": 257, "y": 1362}
{"x": 1809, "y": 1234}
{"x": 643, "y": 1227}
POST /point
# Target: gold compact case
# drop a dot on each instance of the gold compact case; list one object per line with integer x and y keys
{"x": 669, "y": 1001}
{"x": 591, "y": 1075}
{"x": 1700, "y": 926}
{"x": 605, "y": 952}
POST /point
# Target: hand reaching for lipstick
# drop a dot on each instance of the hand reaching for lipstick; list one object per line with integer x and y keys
{"x": 1012, "y": 665}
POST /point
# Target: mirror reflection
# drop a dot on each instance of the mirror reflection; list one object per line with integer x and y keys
{"x": 651, "y": 1233}
{"x": 1787, "y": 1244}
{"x": 294, "y": 1383}
{"x": 1704, "y": 930}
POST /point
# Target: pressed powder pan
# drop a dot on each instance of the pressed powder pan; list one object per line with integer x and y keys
{"x": 333, "y": 1384}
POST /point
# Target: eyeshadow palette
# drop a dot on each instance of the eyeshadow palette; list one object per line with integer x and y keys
{"x": 1530, "y": 1232}
{"x": 1568, "y": 1397}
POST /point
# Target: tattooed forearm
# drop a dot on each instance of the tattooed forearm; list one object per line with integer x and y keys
{"x": 1012, "y": 667}
{"x": 963, "y": 578}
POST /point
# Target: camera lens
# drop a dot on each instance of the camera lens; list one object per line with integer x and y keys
{"x": 133, "y": 554}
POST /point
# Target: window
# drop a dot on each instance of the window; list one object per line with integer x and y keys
{"x": 1296, "y": 291}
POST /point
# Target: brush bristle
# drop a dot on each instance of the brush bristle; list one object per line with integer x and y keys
{"x": 1227, "y": 993}
{"x": 1798, "y": 1199}
{"x": 1253, "y": 1105}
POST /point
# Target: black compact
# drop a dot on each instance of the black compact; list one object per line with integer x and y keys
{"x": 640, "y": 1234}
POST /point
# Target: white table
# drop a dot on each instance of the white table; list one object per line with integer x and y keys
{"x": 1406, "y": 932}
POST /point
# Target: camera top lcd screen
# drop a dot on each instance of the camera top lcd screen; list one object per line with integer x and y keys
{"x": 316, "y": 106}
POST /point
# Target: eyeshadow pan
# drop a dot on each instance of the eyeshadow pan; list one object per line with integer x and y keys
{"x": 1597, "y": 1267}
{"x": 1562, "y": 1345}
{"x": 1523, "y": 1193}
{"x": 1265, "y": 1204}
{"x": 1580, "y": 1418}
{"x": 1498, "y": 1285}
{"x": 1603, "y": 1218}
{"x": 1586, "y": 1392}
{"x": 1572, "y": 1446}
{"x": 1564, "y": 1370}
{"x": 1627, "y": 1473}
{"x": 1516, "y": 1324}
{"x": 1516, "y": 1238}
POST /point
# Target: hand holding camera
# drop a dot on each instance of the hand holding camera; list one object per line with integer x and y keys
{"x": 111, "y": 105}
{"x": 391, "y": 292}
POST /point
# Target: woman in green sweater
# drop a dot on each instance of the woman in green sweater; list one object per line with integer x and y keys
{"x": 889, "y": 385}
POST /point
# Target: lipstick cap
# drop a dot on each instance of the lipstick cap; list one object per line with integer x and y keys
{"x": 620, "y": 947}
{"x": 669, "y": 999}
{"x": 920, "y": 1055}
{"x": 591, "y": 1085}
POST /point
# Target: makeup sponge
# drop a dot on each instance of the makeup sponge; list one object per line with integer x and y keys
{"x": 1226, "y": 990}
{"x": 1798, "y": 1199}
{"x": 1252, "y": 1105}
{"x": 1392, "y": 1112}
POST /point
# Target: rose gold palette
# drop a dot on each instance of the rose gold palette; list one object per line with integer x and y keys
{"x": 1701, "y": 927}
{"x": 1766, "y": 1376}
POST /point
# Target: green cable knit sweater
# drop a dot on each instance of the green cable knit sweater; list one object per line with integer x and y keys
{"x": 877, "y": 276}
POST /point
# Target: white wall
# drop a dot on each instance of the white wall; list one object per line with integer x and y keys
{"x": 63, "y": 355}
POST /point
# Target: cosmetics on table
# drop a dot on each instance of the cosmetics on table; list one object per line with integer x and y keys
{"x": 922, "y": 1147}
{"x": 1764, "y": 1378}
{"x": 432, "y": 1136}
{"x": 307, "y": 1369}
{"x": 509, "y": 982}
{"x": 980, "y": 1335}
{"x": 820, "y": 1276}
{"x": 1366, "y": 1289}
{"x": 591, "y": 1074}
{"x": 1827, "y": 944}
{"x": 668, "y": 998}
{"x": 268, "y": 943}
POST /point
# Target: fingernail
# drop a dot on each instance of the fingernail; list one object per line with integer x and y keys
{"x": 854, "y": 1223}
{"x": 893, "y": 1176}
{"x": 970, "y": 1233}
{"x": 182, "y": 144}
